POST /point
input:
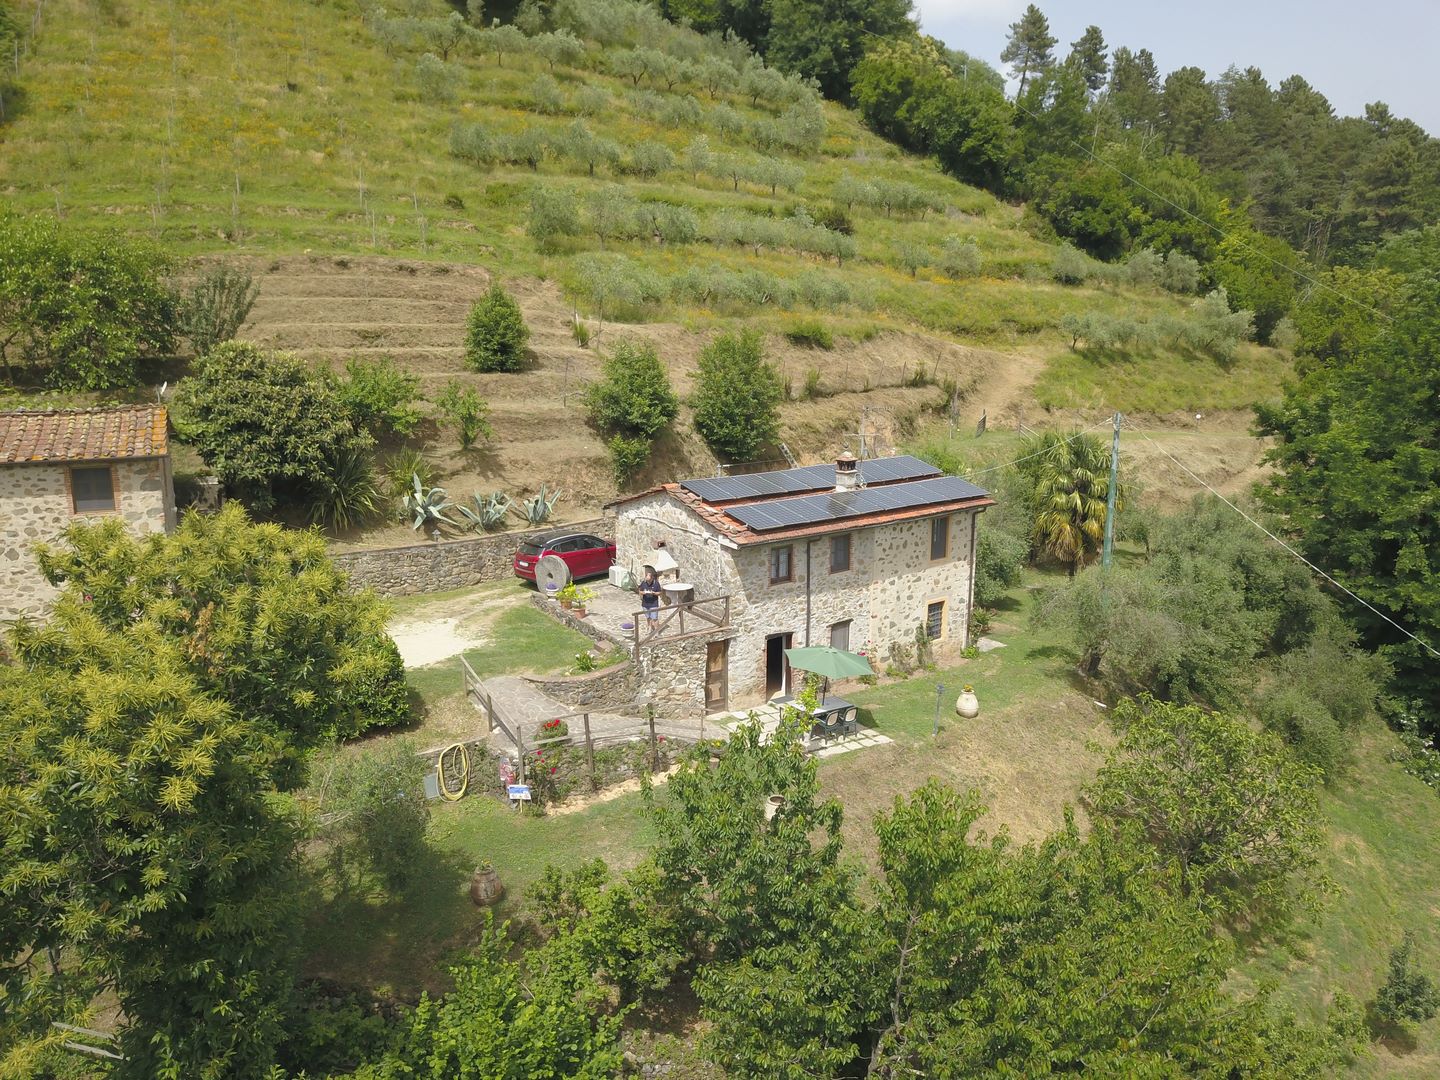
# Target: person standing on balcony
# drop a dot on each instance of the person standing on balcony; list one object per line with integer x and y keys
{"x": 649, "y": 589}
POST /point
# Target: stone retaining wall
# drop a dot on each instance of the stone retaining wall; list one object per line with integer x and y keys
{"x": 484, "y": 766}
{"x": 584, "y": 626}
{"x": 610, "y": 690}
{"x": 446, "y": 564}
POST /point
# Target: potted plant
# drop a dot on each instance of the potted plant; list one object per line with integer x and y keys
{"x": 555, "y": 729}
{"x": 567, "y": 596}
{"x": 967, "y": 705}
{"x": 583, "y": 596}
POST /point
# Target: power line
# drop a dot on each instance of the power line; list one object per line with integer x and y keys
{"x": 1359, "y": 599}
{"x": 1211, "y": 225}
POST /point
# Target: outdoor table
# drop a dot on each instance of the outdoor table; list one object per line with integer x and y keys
{"x": 677, "y": 591}
{"x": 830, "y": 706}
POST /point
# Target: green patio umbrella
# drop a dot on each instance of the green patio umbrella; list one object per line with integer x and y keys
{"x": 830, "y": 662}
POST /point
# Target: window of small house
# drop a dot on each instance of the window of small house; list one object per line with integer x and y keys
{"x": 840, "y": 635}
{"x": 92, "y": 490}
{"x": 939, "y": 538}
{"x": 839, "y": 553}
{"x": 780, "y": 564}
{"x": 935, "y": 619}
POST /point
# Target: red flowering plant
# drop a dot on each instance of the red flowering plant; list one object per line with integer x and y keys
{"x": 554, "y": 729}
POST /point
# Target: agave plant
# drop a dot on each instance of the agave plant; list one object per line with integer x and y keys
{"x": 537, "y": 509}
{"x": 427, "y": 506}
{"x": 488, "y": 513}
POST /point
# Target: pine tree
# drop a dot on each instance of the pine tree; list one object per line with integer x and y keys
{"x": 1087, "y": 55}
{"x": 1135, "y": 88}
{"x": 1028, "y": 49}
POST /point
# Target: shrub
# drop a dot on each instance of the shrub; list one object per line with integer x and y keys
{"x": 345, "y": 494}
{"x": 628, "y": 455}
{"x": 436, "y": 80}
{"x": 1071, "y": 266}
{"x": 833, "y": 217}
{"x": 811, "y": 388}
{"x": 1182, "y": 273}
{"x": 545, "y": 95}
{"x": 473, "y": 143}
{"x": 464, "y": 409}
{"x": 217, "y": 306}
{"x": 737, "y": 396}
{"x": 1215, "y": 329}
{"x": 999, "y": 562}
{"x": 374, "y": 804}
{"x": 82, "y": 308}
{"x": 554, "y": 215}
{"x": 810, "y": 334}
{"x": 960, "y": 258}
{"x": 380, "y": 397}
{"x": 266, "y": 423}
{"x": 1144, "y": 268}
{"x": 650, "y": 159}
{"x": 496, "y": 333}
{"x": 633, "y": 397}
{"x": 403, "y": 464}
{"x": 913, "y": 257}
{"x": 1407, "y": 995}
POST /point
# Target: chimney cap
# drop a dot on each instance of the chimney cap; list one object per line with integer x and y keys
{"x": 846, "y": 461}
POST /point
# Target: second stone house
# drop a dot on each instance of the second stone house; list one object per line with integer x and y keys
{"x": 861, "y": 555}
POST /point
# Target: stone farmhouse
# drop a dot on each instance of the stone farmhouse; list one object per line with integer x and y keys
{"x": 858, "y": 555}
{"x": 59, "y": 466}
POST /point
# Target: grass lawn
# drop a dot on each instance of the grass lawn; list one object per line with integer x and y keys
{"x": 1027, "y": 753}
{"x": 1384, "y": 860}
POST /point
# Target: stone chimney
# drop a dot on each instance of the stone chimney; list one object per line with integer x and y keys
{"x": 847, "y": 472}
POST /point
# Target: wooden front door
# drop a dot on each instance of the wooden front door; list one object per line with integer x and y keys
{"x": 717, "y": 676}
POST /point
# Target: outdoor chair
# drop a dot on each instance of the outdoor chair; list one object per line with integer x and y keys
{"x": 846, "y": 721}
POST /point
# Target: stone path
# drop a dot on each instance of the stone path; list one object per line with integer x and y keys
{"x": 769, "y": 717}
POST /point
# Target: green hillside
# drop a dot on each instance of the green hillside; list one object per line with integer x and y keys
{"x": 222, "y": 126}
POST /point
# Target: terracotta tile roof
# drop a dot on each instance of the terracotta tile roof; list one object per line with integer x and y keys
{"x": 126, "y": 431}
{"x": 741, "y": 534}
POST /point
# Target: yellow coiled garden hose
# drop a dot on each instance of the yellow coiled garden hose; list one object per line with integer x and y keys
{"x": 445, "y": 791}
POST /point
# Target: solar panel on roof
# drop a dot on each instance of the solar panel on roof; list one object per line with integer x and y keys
{"x": 805, "y": 478}
{"x": 837, "y": 506}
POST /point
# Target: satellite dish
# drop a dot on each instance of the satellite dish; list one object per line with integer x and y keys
{"x": 551, "y": 570}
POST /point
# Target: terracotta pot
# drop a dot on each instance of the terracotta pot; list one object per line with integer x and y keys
{"x": 580, "y": 612}
{"x": 485, "y": 887}
{"x": 967, "y": 705}
{"x": 565, "y": 602}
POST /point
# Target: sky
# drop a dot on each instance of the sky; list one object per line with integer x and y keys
{"x": 1383, "y": 50}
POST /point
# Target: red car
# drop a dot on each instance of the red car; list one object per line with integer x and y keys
{"x": 584, "y": 553}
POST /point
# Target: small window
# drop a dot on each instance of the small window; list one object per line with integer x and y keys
{"x": 92, "y": 490}
{"x": 780, "y": 564}
{"x": 935, "y": 620}
{"x": 939, "y": 538}
{"x": 840, "y": 635}
{"x": 839, "y": 553}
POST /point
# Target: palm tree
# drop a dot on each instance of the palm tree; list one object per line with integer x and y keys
{"x": 1071, "y": 475}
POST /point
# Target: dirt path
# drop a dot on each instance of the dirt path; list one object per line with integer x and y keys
{"x": 448, "y": 627}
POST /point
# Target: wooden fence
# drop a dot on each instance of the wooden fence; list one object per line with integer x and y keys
{"x": 712, "y": 613}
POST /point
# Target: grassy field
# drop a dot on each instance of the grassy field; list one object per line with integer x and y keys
{"x": 274, "y": 128}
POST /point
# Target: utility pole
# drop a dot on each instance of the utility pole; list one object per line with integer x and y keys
{"x": 1109, "y": 542}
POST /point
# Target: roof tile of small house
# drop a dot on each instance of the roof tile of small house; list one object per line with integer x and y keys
{"x": 103, "y": 434}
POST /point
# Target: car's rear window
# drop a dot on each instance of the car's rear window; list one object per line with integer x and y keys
{"x": 529, "y": 547}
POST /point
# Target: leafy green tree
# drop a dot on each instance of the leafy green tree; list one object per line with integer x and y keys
{"x": 154, "y": 860}
{"x": 559, "y": 47}
{"x": 495, "y": 333}
{"x": 464, "y": 409}
{"x": 633, "y": 395}
{"x": 374, "y": 813}
{"x": 1259, "y": 274}
{"x": 1407, "y": 995}
{"x": 554, "y": 217}
{"x": 1335, "y": 321}
{"x": 217, "y": 306}
{"x": 1358, "y": 462}
{"x": 825, "y": 39}
{"x": 502, "y": 1021}
{"x": 323, "y": 667}
{"x": 81, "y": 308}
{"x": 999, "y": 563}
{"x": 1237, "y": 814}
{"x": 737, "y": 396}
{"x": 1135, "y": 88}
{"x": 380, "y": 397}
{"x": 267, "y": 423}
{"x": 1071, "y": 478}
{"x": 1027, "y": 50}
{"x": 1087, "y": 56}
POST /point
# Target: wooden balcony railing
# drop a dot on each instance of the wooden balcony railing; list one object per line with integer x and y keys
{"x": 702, "y": 617}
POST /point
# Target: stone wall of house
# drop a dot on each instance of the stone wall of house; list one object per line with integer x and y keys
{"x": 445, "y": 564}
{"x": 612, "y": 689}
{"x": 672, "y": 674}
{"x": 692, "y": 544}
{"x": 884, "y": 595}
{"x": 35, "y": 507}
